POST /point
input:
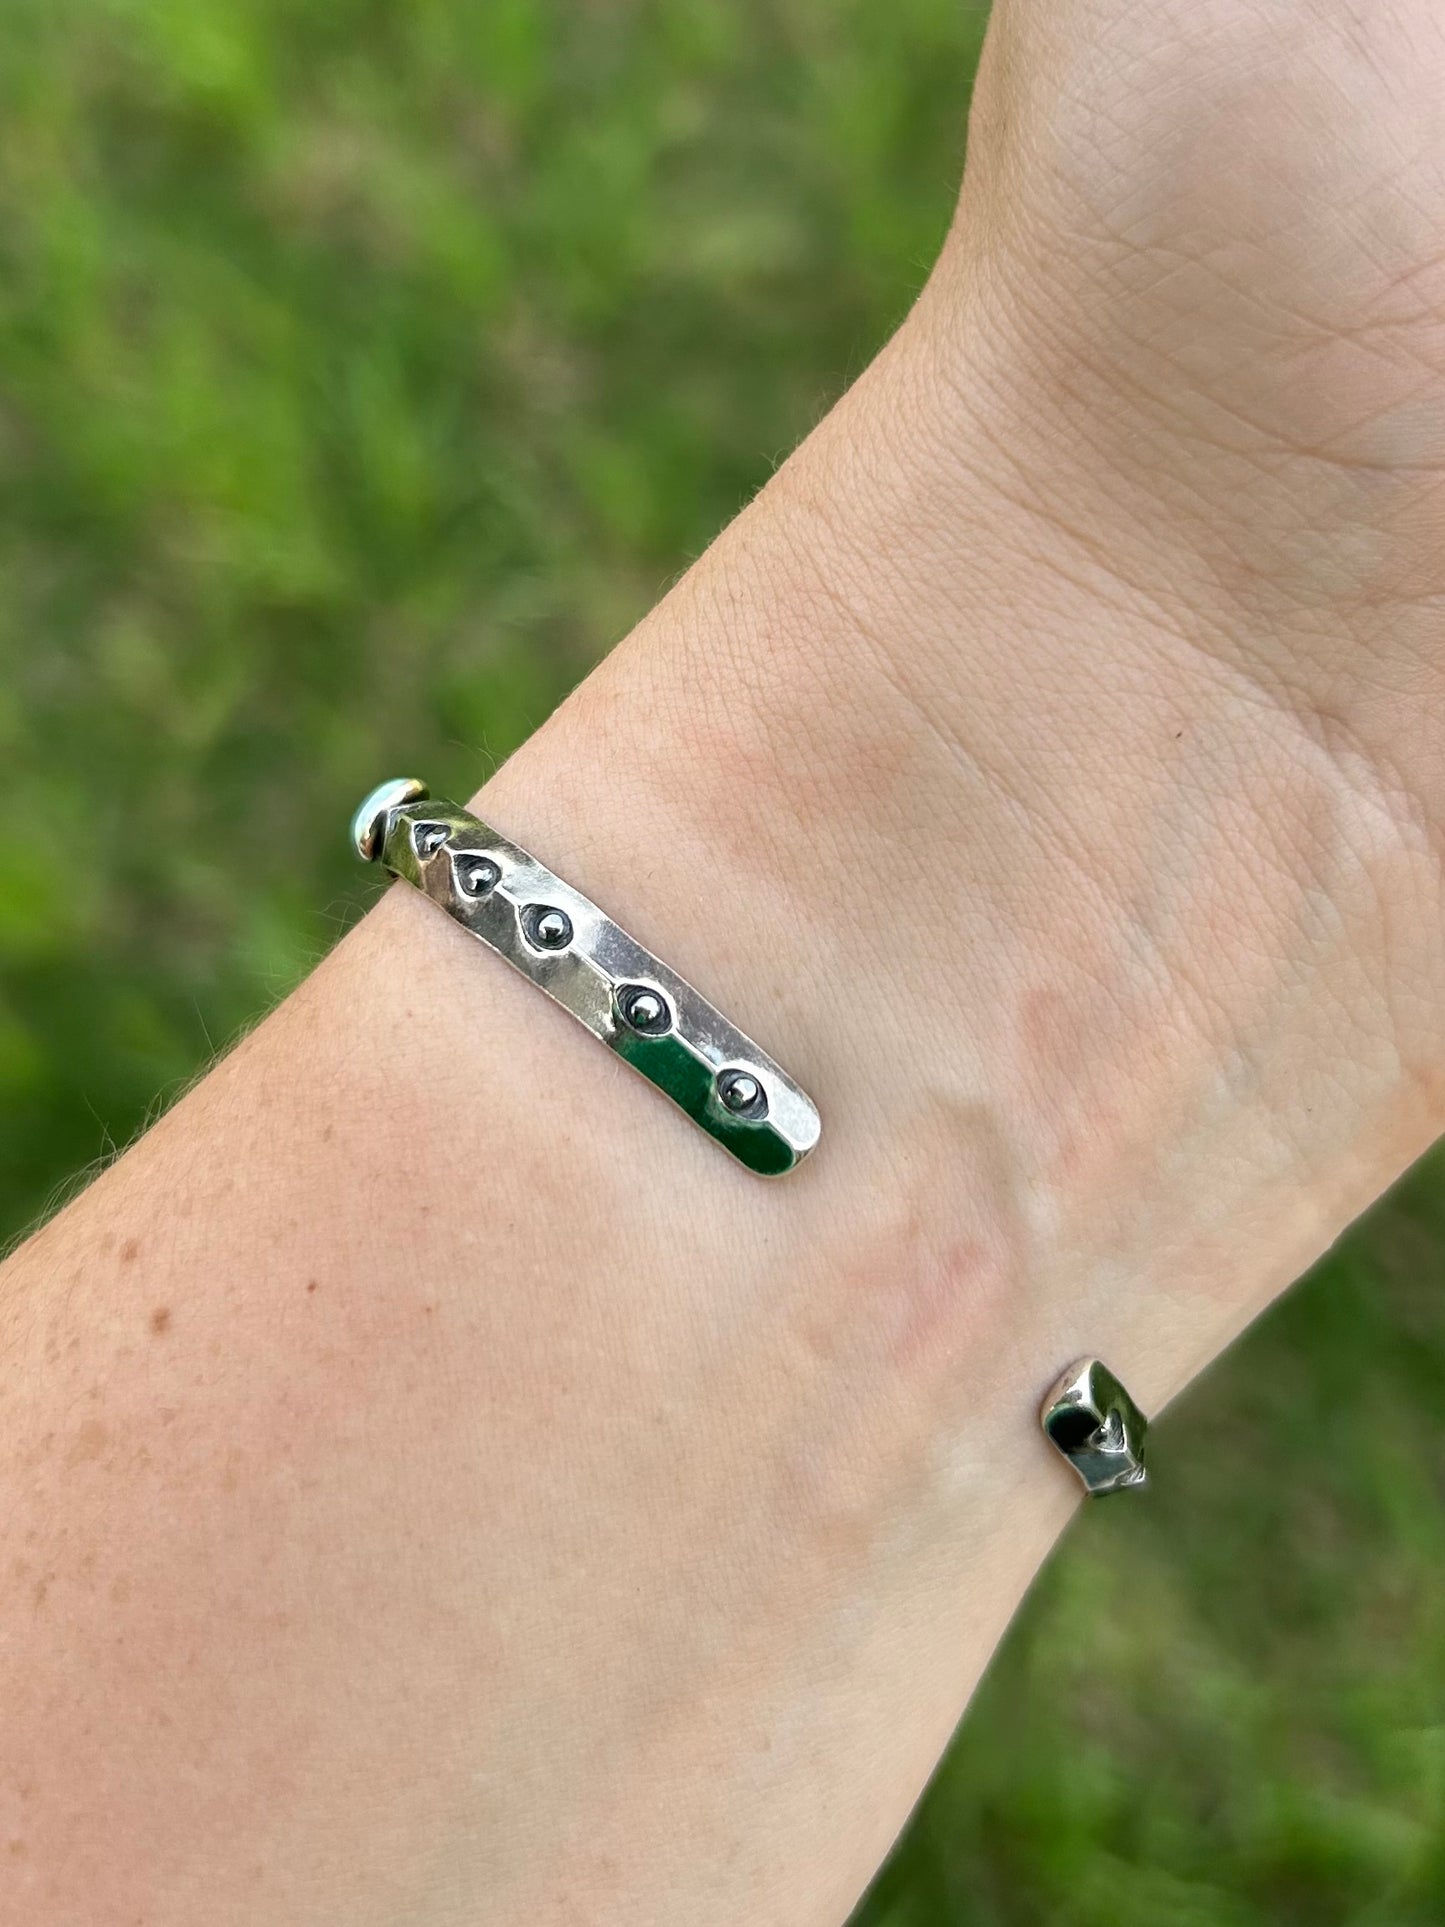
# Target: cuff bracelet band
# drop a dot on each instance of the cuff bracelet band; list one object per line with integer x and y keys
{"x": 565, "y": 945}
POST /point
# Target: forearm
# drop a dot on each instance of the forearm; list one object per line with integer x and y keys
{"x": 441, "y": 1485}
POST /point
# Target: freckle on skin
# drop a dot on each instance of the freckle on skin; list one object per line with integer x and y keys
{"x": 311, "y": 1284}
{"x": 130, "y": 1251}
{"x": 89, "y": 1442}
{"x": 161, "y": 1319}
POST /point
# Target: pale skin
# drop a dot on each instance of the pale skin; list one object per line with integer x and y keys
{"x": 437, "y": 1485}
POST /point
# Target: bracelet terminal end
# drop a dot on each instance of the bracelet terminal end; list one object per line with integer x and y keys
{"x": 368, "y": 826}
{"x": 1091, "y": 1421}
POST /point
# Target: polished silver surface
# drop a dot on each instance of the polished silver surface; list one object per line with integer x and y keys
{"x": 565, "y": 945}
{"x": 1091, "y": 1421}
{"x": 368, "y": 826}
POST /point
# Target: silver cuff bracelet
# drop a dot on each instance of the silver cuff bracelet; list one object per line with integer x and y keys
{"x": 664, "y": 1028}
{"x": 629, "y": 1000}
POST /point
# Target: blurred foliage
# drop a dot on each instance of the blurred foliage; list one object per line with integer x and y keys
{"x": 365, "y": 370}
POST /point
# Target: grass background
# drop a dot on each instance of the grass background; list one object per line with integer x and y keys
{"x": 365, "y": 370}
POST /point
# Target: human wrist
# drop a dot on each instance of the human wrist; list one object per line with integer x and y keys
{"x": 983, "y": 852}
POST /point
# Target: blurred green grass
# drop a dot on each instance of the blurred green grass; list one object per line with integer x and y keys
{"x": 365, "y": 370}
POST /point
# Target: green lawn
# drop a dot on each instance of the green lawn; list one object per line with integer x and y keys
{"x": 365, "y": 370}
